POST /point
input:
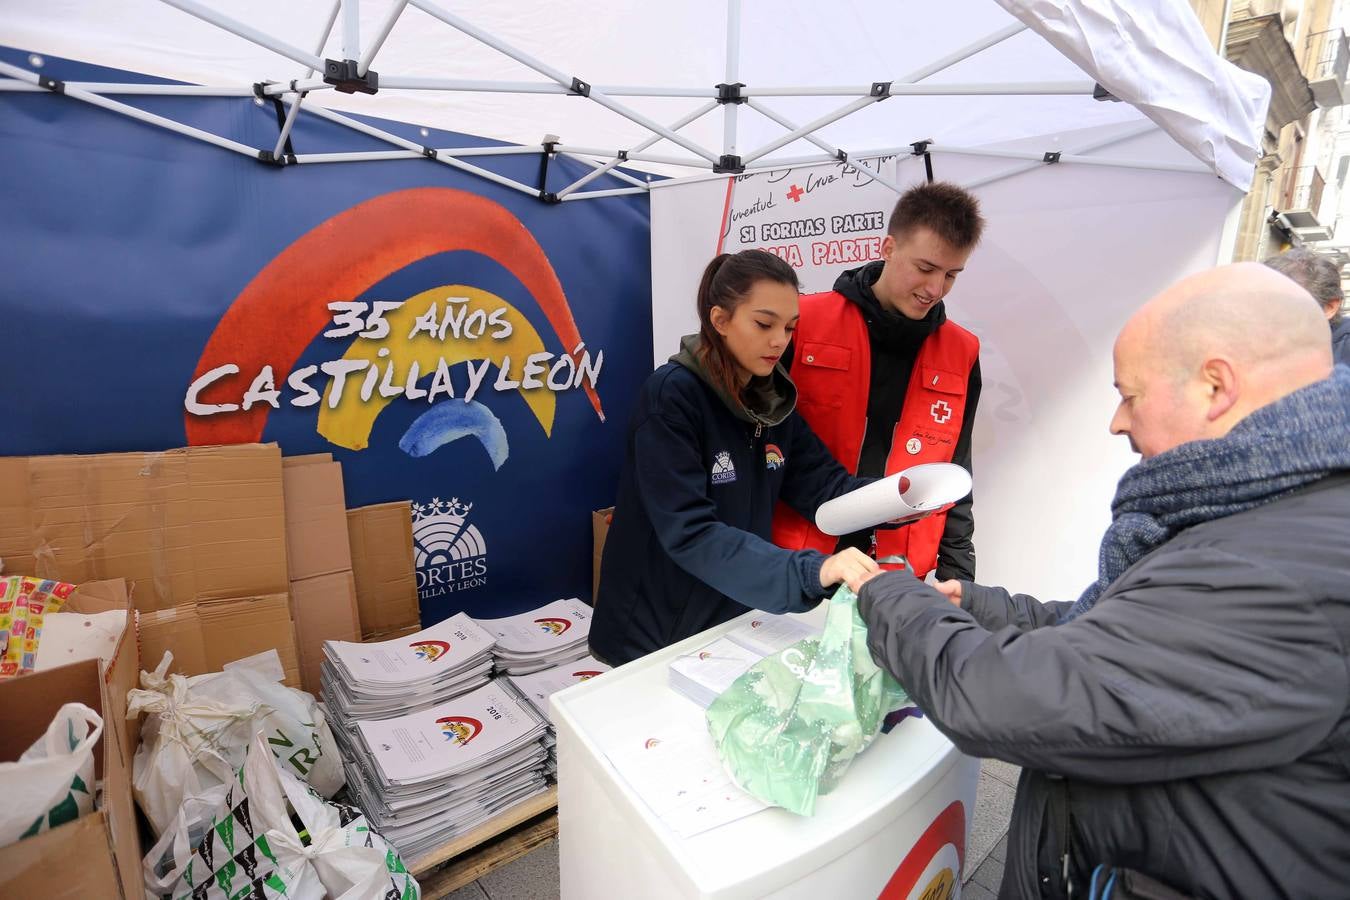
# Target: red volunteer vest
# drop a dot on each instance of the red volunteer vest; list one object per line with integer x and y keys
{"x": 831, "y": 367}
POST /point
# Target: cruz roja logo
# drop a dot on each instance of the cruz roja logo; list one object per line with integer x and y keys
{"x": 451, "y": 554}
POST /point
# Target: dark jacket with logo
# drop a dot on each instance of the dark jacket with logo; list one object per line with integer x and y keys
{"x": 689, "y": 545}
{"x": 1194, "y": 725}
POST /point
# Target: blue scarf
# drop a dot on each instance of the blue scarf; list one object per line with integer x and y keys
{"x": 1293, "y": 442}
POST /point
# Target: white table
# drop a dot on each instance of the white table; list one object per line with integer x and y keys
{"x": 896, "y": 826}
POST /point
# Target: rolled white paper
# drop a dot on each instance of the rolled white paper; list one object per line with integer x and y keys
{"x": 903, "y": 497}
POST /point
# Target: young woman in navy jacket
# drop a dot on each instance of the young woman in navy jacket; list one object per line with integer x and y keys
{"x": 714, "y": 443}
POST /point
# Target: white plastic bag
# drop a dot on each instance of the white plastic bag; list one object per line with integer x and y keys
{"x": 53, "y": 781}
{"x": 197, "y": 731}
{"x": 252, "y": 848}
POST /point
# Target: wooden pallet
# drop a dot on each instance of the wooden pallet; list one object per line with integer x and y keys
{"x": 496, "y": 842}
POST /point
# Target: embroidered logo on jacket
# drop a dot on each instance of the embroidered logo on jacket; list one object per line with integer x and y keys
{"x": 723, "y": 470}
{"x": 773, "y": 457}
{"x": 941, "y": 412}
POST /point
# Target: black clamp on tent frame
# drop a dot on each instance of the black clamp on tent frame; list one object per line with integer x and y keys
{"x": 52, "y": 84}
{"x": 731, "y": 93}
{"x": 287, "y": 156}
{"x": 1051, "y": 157}
{"x": 1101, "y": 93}
{"x": 580, "y": 88}
{"x": 550, "y": 147}
{"x": 881, "y": 90}
{"x": 920, "y": 148}
{"x": 729, "y": 164}
{"x": 343, "y": 75}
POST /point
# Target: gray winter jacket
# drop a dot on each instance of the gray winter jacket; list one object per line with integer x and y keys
{"x": 1194, "y": 725}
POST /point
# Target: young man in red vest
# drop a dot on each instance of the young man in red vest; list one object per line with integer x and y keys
{"x": 887, "y": 382}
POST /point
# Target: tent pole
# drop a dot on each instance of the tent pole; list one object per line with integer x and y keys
{"x": 1142, "y": 128}
{"x": 409, "y": 145}
{"x": 575, "y": 85}
{"x": 810, "y": 128}
{"x": 327, "y": 32}
{"x": 617, "y": 192}
{"x": 618, "y": 158}
{"x": 296, "y": 87}
{"x": 965, "y": 52}
{"x": 642, "y": 157}
{"x": 603, "y": 169}
{"x": 132, "y": 112}
{"x": 153, "y": 90}
{"x": 790, "y": 126}
{"x": 248, "y": 33}
{"x": 1077, "y": 159}
{"x": 351, "y": 29}
{"x": 487, "y": 87}
{"x": 388, "y": 26}
{"x": 729, "y": 110}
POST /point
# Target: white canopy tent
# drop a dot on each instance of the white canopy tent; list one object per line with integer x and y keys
{"x": 1092, "y": 130}
{"x": 623, "y": 79}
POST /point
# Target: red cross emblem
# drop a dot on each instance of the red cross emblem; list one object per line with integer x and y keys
{"x": 795, "y": 194}
{"x": 941, "y": 412}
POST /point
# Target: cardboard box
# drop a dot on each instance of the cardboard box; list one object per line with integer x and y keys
{"x": 122, "y": 672}
{"x": 205, "y": 636}
{"x": 192, "y": 530}
{"x": 318, "y": 554}
{"x": 325, "y": 610}
{"x": 390, "y": 635}
{"x": 600, "y": 520}
{"x": 382, "y": 563}
{"x": 98, "y": 855}
{"x": 200, "y": 523}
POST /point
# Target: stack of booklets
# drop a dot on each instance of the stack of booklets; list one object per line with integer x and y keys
{"x": 407, "y": 674}
{"x": 549, "y": 636}
{"x": 704, "y": 674}
{"x": 428, "y": 777}
{"x": 537, "y": 687}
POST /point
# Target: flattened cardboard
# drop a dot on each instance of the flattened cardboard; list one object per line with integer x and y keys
{"x": 305, "y": 459}
{"x": 98, "y": 855}
{"x": 206, "y": 636}
{"x": 122, "y": 672}
{"x": 382, "y": 562}
{"x": 316, "y": 521}
{"x": 325, "y": 610}
{"x": 600, "y": 520}
{"x": 198, "y": 523}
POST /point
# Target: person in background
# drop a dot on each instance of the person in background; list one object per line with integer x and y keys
{"x": 714, "y": 444}
{"x": 888, "y": 382}
{"x": 1185, "y": 724}
{"x": 1320, "y": 277}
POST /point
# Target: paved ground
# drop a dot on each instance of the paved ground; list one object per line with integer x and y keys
{"x": 535, "y": 876}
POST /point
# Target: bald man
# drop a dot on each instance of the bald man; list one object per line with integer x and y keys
{"x": 1185, "y": 722}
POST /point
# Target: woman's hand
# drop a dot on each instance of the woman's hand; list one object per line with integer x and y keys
{"x": 851, "y": 566}
{"x": 951, "y": 590}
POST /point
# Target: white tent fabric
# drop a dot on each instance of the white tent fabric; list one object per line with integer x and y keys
{"x": 1035, "y": 81}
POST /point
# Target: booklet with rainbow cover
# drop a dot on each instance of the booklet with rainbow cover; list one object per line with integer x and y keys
{"x": 415, "y": 658}
{"x": 456, "y": 736}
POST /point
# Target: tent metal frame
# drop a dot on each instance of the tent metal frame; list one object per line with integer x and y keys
{"x": 353, "y": 74}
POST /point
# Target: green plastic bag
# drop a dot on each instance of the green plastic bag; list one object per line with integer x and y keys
{"x": 788, "y": 728}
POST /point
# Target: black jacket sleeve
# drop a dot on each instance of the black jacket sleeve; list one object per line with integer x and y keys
{"x": 673, "y": 484}
{"x": 995, "y": 608}
{"x": 813, "y": 474}
{"x": 1204, "y": 663}
{"x": 956, "y": 552}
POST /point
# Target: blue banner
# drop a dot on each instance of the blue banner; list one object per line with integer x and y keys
{"x": 450, "y": 341}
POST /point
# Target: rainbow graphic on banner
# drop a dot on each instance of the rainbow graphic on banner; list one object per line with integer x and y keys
{"x": 555, "y": 626}
{"x": 459, "y": 729}
{"x": 430, "y": 650}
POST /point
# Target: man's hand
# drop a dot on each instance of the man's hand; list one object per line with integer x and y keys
{"x": 951, "y": 590}
{"x": 851, "y": 566}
